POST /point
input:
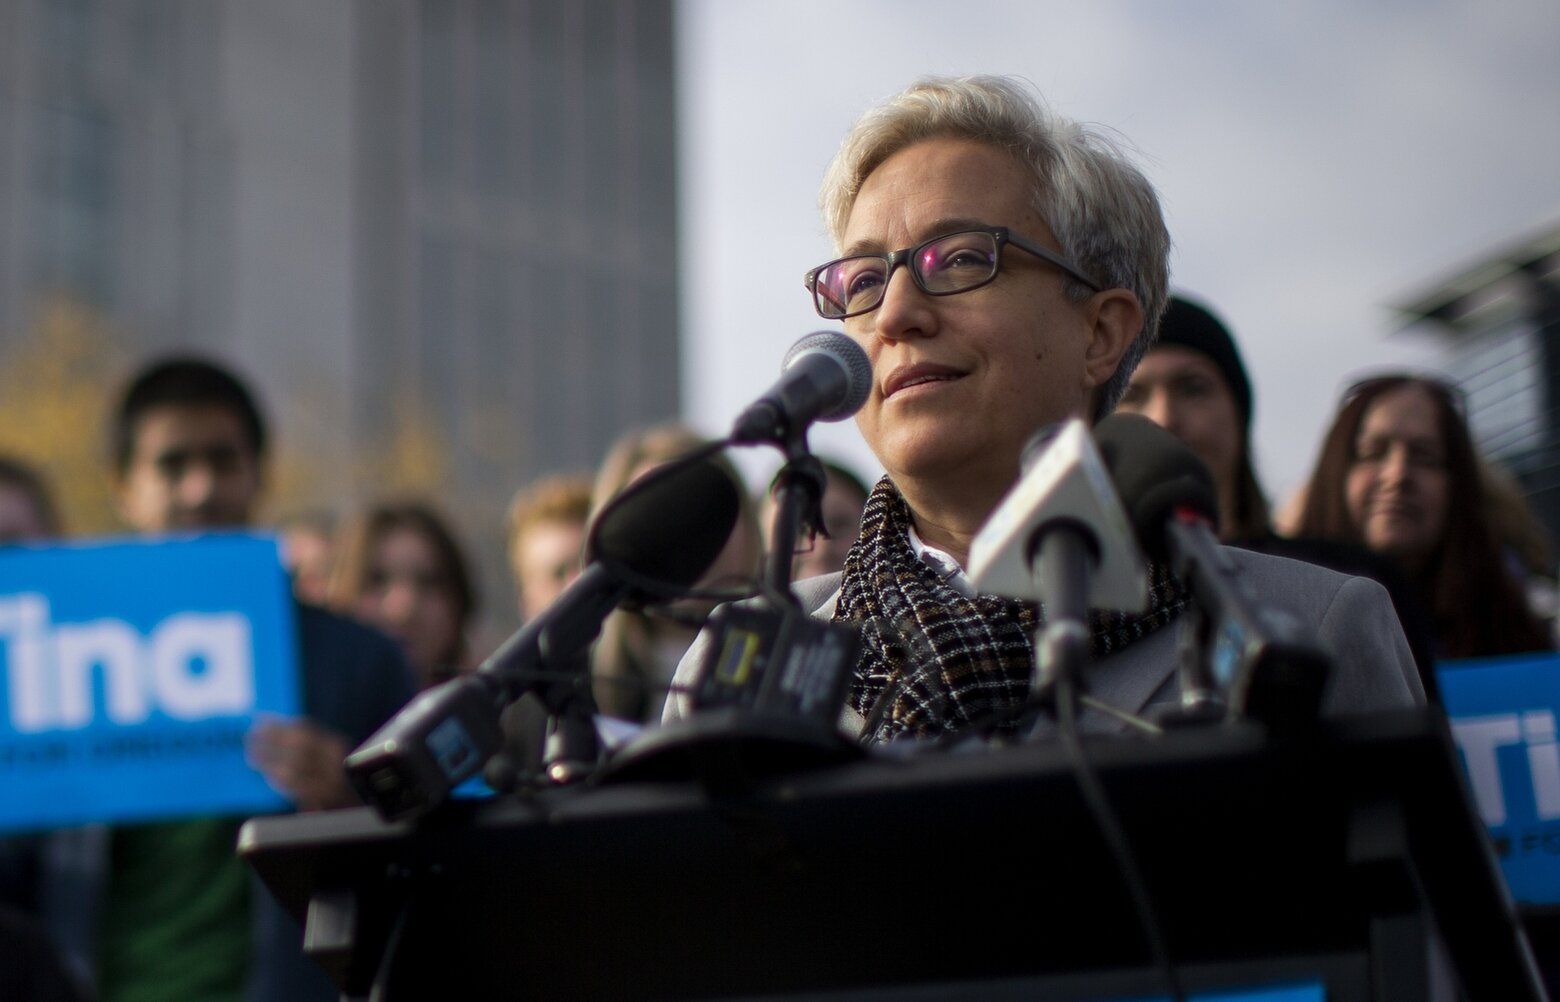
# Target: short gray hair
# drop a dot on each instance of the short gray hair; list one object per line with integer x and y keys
{"x": 1101, "y": 208}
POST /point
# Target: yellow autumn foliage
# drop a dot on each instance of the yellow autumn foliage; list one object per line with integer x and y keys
{"x": 56, "y": 385}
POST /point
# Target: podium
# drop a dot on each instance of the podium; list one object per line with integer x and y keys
{"x": 1345, "y": 858}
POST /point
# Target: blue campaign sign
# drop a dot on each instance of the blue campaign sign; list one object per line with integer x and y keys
{"x": 1503, "y": 719}
{"x": 1305, "y": 991}
{"x": 130, "y": 673}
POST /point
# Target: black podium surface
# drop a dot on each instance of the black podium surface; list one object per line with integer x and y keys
{"x": 1325, "y": 859}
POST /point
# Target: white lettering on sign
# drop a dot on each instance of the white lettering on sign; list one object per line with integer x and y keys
{"x": 1480, "y": 738}
{"x": 190, "y": 666}
{"x": 1538, "y": 732}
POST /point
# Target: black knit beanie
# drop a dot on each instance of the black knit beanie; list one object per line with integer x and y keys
{"x": 1193, "y": 326}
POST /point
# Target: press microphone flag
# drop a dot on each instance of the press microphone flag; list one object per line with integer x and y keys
{"x": 1066, "y": 482}
{"x": 825, "y": 377}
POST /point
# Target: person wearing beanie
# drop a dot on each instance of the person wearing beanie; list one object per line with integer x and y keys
{"x": 1193, "y": 383}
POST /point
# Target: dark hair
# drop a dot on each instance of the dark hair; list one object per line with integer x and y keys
{"x": 1478, "y": 607}
{"x": 183, "y": 381}
{"x": 361, "y": 538}
{"x": 22, "y": 478}
{"x": 1251, "y": 519}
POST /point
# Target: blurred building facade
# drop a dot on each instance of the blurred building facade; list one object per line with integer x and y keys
{"x": 439, "y": 233}
{"x": 1498, "y": 318}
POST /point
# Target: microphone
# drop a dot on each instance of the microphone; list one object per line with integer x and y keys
{"x": 825, "y": 377}
{"x": 766, "y": 701}
{"x": 1060, "y": 536}
{"x": 1248, "y": 658}
{"x": 1159, "y": 479}
{"x": 1065, "y": 488}
{"x": 654, "y": 541}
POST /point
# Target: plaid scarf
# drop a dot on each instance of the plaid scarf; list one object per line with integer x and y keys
{"x": 944, "y": 661}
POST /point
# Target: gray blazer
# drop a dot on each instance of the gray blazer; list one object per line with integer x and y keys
{"x": 1350, "y": 617}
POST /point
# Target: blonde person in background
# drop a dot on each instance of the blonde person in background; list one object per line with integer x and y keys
{"x": 546, "y": 539}
{"x": 637, "y": 654}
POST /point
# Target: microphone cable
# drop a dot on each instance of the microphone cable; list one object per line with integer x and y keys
{"x": 380, "y": 990}
{"x": 1098, "y": 805}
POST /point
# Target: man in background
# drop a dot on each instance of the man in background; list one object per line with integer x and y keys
{"x": 166, "y": 909}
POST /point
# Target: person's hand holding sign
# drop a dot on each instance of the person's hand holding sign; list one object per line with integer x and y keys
{"x": 302, "y": 761}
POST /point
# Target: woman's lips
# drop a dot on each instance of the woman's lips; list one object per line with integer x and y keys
{"x": 918, "y": 378}
{"x": 1399, "y": 510}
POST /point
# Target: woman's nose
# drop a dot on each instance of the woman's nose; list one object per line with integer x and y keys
{"x": 1157, "y": 409}
{"x": 398, "y": 602}
{"x": 905, "y": 311}
{"x": 1395, "y": 466}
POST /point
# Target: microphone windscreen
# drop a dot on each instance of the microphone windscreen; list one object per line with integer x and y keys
{"x": 665, "y": 530}
{"x": 851, "y": 359}
{"x": 1155, "y": 474}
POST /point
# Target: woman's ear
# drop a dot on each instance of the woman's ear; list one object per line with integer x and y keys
{"x": 1116, "y": 318}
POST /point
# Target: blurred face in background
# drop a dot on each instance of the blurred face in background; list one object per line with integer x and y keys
{"x": 408, "y": 593}
{"x": 307, "y": 553}
{"x": 546, "y": 561}
{"x": 1396, "y": 492}
{"x": 191, "y": 467}
{"x": 20, "y": 519}
{"x": 1182, "y": 391}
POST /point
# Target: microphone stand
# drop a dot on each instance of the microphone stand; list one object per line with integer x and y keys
{"x": 572, "y": 748}
{"x": 1244, "y": 658}
{"x": 798, "y": 494}
{"x": 1062, "y": 559}
{"x": 759, "y": 711}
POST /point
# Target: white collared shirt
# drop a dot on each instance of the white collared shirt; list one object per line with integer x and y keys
{"x": 946, "y": 567}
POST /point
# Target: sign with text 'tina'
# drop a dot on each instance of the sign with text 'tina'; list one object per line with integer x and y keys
{"x": 130, "y": 672}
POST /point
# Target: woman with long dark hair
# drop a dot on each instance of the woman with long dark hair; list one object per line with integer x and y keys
{"x": 400, "y": 569}
{"x": 1398, "y": 473}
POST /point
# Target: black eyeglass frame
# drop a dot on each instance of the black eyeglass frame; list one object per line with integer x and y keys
{"x": 1000, "y": 235}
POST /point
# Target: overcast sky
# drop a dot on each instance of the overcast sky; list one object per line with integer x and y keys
{"x": 1316, "y": 162}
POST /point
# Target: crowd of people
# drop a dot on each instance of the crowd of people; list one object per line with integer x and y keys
{"x": 1036, "y": 277}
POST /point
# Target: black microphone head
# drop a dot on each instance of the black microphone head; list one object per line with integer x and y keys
{"x": 851, "y": 359}
{"x": 664, "y": 530}
{"x": 1155, "y": 474}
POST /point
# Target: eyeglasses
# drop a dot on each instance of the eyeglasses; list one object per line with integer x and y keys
{"x": 942, "y": 266}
